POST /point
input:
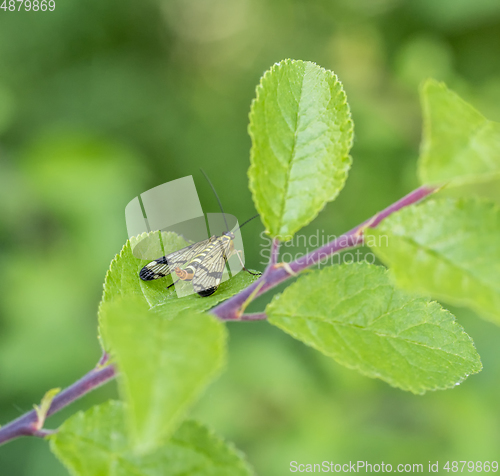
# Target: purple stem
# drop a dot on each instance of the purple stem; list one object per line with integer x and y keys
{"x": 273, "y": 275}
{"x": 275, "y": 252}
{"x": 103, "y": 360}
{"x": 27, "y": 424}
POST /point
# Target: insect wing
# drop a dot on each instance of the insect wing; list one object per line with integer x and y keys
{"x": 210, "y": 269}
{"x": 163, "y": 266}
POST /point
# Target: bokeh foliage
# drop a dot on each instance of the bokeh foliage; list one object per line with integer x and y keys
{"x": 101, "y": 101}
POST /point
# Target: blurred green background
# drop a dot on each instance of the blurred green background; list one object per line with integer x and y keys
{"x": 100, "y": 101}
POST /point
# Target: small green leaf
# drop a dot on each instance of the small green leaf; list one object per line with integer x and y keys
{"x": 447, "y": 248}
{"x": 43, "y": 408}
{"x": 94, "y": 443}
{"x": 164, "y": 363}
{"x": 458, "y": 142}
{"x": 354, "y": 314}
{"x": 301, "y": 131}
{"x": 122, "y": 279}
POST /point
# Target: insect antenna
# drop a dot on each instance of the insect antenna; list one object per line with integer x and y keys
{"x": 217, "y": 197}
{"x": 244, "y": 223}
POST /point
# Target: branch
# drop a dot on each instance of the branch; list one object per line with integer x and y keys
{"x": 276, "y": 274}
{"x": 231, "y": 309}
{"x": 27, "y": 424}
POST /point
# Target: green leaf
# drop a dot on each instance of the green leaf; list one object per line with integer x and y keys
{"x": 94, "y": 443}
{"x": 458, "y": 142}
{"x": 122, "y": 279}
{"x": 134, "y": 337}
{"x": 447, "y": 248}
{"x": 301, "y": 131}
{"x": 164, "y": 363}
{"x": 355, "y": 315}
{"x": 170, "y": 304}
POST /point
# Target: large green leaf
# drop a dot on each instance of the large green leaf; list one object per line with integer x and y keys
{"x": 164, "y": 363}
{"x": 165, "y": 357}
{"x": 355, "y": 315}
{"x": 94, "y": 443}
{"x": 122, "y": 279}
{"x": 301, "y": 131}
{"x": 458, "y": 142}
{"x": 447, "y": 248}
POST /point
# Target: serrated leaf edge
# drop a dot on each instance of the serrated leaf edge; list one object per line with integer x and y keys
{"x": 342, "y": 174}
{"x": 376, "y": 375}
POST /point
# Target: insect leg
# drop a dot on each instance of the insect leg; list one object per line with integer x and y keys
{"x": 237, "y": 252}
{"x": 170, "y": 285}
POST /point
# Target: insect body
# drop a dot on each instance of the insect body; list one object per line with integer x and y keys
{"x": 202, "y": 263}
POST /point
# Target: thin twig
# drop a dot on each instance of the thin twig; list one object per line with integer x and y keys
{"x": 228, "y": 310}
{"x": 26, "y": 424}
{"x": 103, "y": 360}
{"x": 275, "y": 252}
